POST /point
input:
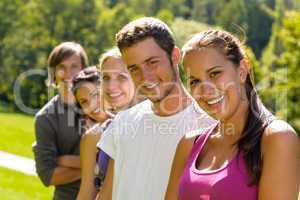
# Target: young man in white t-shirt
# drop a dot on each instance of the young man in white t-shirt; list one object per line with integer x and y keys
{"x": 142, "y": 140}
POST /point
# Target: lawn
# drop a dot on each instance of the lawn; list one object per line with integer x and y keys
{"x": 16, "y": 186}
{"x": 17, "y": 134}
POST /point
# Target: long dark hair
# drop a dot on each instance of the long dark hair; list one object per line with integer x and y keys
{"x": 258, "y": 116}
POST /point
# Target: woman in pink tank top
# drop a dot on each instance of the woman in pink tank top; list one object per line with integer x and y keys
{"x": 249, "y": 154}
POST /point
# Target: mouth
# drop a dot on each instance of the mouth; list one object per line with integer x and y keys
{"x": 151, "y": 85}
{"x": 215, "y": 101}
{"x": 115, "y": 95}
{"x": 96, "y": 111}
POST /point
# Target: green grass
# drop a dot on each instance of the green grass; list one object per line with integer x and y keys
{"x": 15, "y": 186}
{"x": 17, "y": 134}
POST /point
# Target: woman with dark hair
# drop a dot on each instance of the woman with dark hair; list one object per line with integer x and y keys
{"x": 87, "y": 91}
{"x": 249, "y": 154}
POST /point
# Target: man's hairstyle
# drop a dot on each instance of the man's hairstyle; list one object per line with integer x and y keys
{"x": 143, "y": 28}
{"x": 62, "y": 52}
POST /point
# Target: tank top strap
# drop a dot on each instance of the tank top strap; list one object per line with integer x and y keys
{"x": 202, "y": 139}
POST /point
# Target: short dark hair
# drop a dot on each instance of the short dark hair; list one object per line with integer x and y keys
{"x": 61, "y": 52}
{"x": 143, "y": 28}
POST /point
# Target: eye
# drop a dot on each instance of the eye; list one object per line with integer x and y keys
{"x": 83, "y": 103}
{"x": 122, "y": 77}
{"x": 214, "y": 74}
{"x": 76, "y": 66}
{"x": 60, "y": 68}
{"x": 95, "y": 93}
{"x": 194, "y": 82}
{"x": 105, "y": 78}
{"x": 153, "y": 62}
{"x": 133, "y": 69}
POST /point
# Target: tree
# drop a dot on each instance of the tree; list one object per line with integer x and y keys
{"x": 281, "y": 61}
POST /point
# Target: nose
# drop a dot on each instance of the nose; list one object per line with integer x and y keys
{"x": 91, "y": 105}
{"x": 207, "y": 89}
{"x": 66, "y": 75}
{"x": 147, "y": 74}
{"x": 112, "y": 85}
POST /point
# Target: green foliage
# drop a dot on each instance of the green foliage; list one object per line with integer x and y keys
{"x": 183, "y": 34}
{"x": 281, "y": 62}
{"x": 190, "y": 27}
{"x": 30, "y": 29}
{"x": 247, "y": 18}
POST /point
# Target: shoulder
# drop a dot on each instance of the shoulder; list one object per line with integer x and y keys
{"x": 92, "y": 135}
{"x": 279, "y": 136}
{"x": 186, "y": 144}
{"x": 135, "y": 112}
{"x": 48, "y": 108}
{"x": 96, "y": 129}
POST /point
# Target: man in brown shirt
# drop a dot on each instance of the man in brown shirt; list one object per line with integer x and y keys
{"x": 57, "y": 127}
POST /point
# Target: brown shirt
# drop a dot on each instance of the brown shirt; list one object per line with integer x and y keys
{"x": 57, "y": 133}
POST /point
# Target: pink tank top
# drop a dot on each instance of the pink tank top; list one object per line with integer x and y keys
{"x": 227, "y": 183}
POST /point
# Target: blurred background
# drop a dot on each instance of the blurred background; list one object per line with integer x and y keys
{"x": 29, "y": 29}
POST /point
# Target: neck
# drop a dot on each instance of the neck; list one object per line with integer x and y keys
{"x": 176, "y": 101}
{"x": 104, "y": 116}
{"x": 233, "y": 127}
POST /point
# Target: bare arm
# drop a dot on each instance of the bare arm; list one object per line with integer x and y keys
{"x": 281, "y": 168}
{"x": 71, "y": 161}
{"x": 183, "y": 150}
{"x": 88, "y": 151}
{"x": 105, "y": 192}
{"x": 64, "y": 175}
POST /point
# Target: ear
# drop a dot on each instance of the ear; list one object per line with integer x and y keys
{"x": 175, "y": 56}
{"x": 244, "y": 70}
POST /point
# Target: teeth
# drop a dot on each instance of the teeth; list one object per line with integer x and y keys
{"x": 115, "y": 94}
{"x": 150, "y": 86}
{"x": 97, "y": 111}
{"x": 215, "y": 100}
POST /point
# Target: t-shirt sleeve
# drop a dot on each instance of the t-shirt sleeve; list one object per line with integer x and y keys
{"x": 109, "y": 139}
{"x": 44, "y": 149}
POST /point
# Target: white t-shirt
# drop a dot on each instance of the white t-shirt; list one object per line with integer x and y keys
{"x": 143, "y": 145}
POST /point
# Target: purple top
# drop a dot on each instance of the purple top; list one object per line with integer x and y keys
{"x": 228, "y": 182}
{"x": 102, "y": 162}
{"x": 101, "y": 159}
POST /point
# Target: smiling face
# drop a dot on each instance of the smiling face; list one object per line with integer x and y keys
{"x": 89, "y": 98}
{"x": 215, "y": 82}
{"x": 151, "y": 69}
{"x": 117, "y": 84}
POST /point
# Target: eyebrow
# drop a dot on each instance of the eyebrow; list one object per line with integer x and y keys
{"x": 152, "y": 57}
{"x": 147, "y": 60}
{"x": 80, "y": 100}
{"x": 93, "y": 91}
{"x": 192, "y": 77}
{"x": 214, "y": 67}
{"x": 209, "y": 70}
{"x": 130, "y": 66}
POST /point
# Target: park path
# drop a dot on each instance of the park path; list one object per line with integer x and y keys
{"x": 17, "y": 163}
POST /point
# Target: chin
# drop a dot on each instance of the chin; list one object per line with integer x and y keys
{"x": 155, "y": 99}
